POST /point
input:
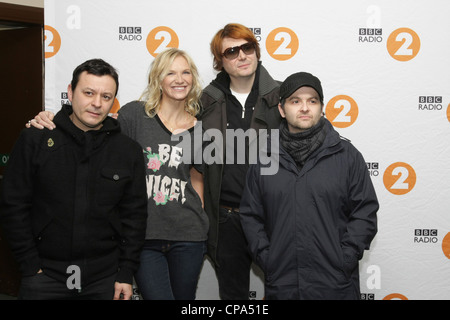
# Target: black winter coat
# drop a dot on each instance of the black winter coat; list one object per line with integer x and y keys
{"x": 214, "y": 116}
{"x": 75, "y": 198}
{"x": 307, "y": 229}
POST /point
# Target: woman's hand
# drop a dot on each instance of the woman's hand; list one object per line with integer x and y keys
{"x": 43, "y": 119}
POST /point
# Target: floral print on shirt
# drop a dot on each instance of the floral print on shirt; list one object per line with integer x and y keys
{"x": 164, "y": 188}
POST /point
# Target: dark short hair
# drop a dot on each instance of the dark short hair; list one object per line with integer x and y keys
{"x": 96, "y": 67}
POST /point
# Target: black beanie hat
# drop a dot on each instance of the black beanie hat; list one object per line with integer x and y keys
{"x": 297, "y": 80}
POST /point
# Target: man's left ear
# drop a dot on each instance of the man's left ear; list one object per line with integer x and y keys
{"x": 280, "y": 109}
{"x": 69, "y": 92}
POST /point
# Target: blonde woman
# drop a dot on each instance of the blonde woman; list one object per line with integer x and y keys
{"x": 177, "y": 225}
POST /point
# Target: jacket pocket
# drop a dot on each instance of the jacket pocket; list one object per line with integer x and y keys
{"x": 112, "y": 185}
{"x": 349, "y": 262}
{"x": 51, "y": 236}
{"x": 40, "y": 224}
{"x": 266, "y": 264}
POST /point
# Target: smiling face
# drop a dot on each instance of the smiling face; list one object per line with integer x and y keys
{"x": 243, "y": 65}
{"x": 177, "y": 83}
{"x": 302, "y": 109}
{"x": 91, "y": 100}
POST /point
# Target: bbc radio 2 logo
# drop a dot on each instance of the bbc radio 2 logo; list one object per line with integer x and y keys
{"x": 161, "y": 38}
{"x": 373, "y": 168}
{"x": 282, "y": 44}
{"x": 426, "y": 236}
{"x": 403, "y": 44}
{"x": 64, "y": 98}
{"x": 367, "y": 296}
{"x": 52, "y": 41}
{"x": 256, "y": 33}
{"x": 430, "y": 103}
{"x": 370, "y": 35}
{"x": 342, "y": 111}
{"x": 130, "y": 33}
{"x": 430, "y": 236}
{"x": 448, "y": 112}
{"x": 399, "y": 178}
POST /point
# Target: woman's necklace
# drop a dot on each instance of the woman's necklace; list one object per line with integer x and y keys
{"x": 174, "y": 127}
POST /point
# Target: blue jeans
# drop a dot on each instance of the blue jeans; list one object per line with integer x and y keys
{"x": 169, "y": 270}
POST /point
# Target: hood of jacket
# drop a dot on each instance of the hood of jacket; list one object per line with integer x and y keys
{"x": 63, "y": 122}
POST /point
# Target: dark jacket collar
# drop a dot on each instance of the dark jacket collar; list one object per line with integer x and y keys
{"x": 64, "y": 123}
{"x": 222, "y": 80}
{"x": 331, "y": 145}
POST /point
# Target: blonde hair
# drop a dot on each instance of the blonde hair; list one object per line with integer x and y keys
{"x": 160, "y": 66}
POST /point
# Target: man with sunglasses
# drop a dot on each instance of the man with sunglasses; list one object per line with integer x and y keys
{"x": 243, "y": 96}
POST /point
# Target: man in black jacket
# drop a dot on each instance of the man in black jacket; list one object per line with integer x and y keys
{"x": 73, "y": 203}
{"x": 309, "y": 223}
{"x": 242, "y": 97}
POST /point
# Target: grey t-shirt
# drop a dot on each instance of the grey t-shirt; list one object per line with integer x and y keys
{"x": 174, "y": 208}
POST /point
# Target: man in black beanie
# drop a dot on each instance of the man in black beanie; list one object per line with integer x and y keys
{"x": 309, "y": 223}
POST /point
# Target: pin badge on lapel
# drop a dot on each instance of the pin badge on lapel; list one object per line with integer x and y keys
{"x": 50, "y": 142}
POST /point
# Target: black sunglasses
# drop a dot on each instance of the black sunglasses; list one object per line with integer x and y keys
{"x": 233, "y": 52}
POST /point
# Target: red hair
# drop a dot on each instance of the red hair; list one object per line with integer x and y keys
{"x": 235, "y": 31}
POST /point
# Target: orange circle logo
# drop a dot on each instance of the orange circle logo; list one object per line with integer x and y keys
{"x": 446, "y": 245}
{"x": 52, "y": 41}
{"x": 403, "y": 44}
{"x": 448, "y": 112}
{"x": 395, "y": 296}
{"x": 399, "y": 178}
{"x": 342, "y": 111}
{"x": 115, "y": 107}
{"x": 160, "y": 39}
{"x": 282, "y": 44}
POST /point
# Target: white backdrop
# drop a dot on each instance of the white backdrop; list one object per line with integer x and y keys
{"x": 385, "y": 70}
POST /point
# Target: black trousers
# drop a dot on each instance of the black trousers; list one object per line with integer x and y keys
{"x": 233, "y": 257}
{"x": 42, "y": 287}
